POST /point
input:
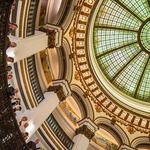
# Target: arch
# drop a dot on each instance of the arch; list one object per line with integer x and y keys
{"x": 142, "y": 141}
{"x": 68, "y": 14}
{"x": 82, "y": 102}
{"x": 65, "y": 63}
{"x": 115, "y": 130}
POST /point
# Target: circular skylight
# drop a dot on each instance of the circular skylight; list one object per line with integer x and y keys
{"x": 122, "y": 45}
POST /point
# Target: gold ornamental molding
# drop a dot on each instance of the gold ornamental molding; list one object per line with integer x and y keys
{"x": 132, "y": 120}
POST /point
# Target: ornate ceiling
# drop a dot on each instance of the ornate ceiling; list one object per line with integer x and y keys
{"x": 112, "y": 64}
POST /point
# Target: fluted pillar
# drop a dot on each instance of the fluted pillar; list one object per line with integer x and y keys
{"x": 84, "y": 134}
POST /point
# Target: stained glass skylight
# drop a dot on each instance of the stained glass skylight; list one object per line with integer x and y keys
{"x": 122, "y": 45}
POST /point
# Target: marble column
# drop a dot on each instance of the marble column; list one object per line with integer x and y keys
{"x": 28, "y": 46}
{"x": 40, "y": 113}
{"x": 54, "y": 95}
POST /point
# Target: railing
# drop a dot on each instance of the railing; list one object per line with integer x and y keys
{"x": 58, "y": 131}
{"x": 10, "y": 135}
{"x": 34, "y": 79}
{"x": 32, "y": 17}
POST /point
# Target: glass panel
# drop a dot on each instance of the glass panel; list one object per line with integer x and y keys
{"x": 113, "y": 62}
{"x": 128, "y": 79}
{"x": 144, "y": 88}
{"x": 139, "y": 7}
{"x": 106, "y": 39}
{"x": 112, "y": 14}
{"x": 121, "y": 31}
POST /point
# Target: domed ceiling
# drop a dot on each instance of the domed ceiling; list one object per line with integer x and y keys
{"x": 111, "y": 50}
{"x": 121, "y": 39}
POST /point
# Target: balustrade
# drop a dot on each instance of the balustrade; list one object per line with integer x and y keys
{"x": 58, "y": 131}
{"x": 34, "y": 79}
{"x": 32, "y": 17}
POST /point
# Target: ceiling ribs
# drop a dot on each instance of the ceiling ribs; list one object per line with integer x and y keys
{"x": 135, "y": 94}
{"x": 100, "y": 55}
{"x": 115, "y": 28}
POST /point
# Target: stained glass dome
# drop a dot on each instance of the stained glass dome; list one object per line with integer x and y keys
{"x": 122, "y": 45}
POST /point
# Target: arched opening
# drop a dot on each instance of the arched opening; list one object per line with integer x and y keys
{"x": 80, "y": 104}
{"x": 71, "y": 110}
{"x": 83, "y": 103}
{"x": 141, "y": 143}
{"x": 105, "y": 140}
{"x": 143, "y": 146}
{"x": 114, "y": 130}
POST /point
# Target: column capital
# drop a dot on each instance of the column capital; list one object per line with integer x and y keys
{"x": 58, "y": 89}
{"x": 89, "y": 123}
{"x": 61, "y": 88}
{"x": 54, "y": 35}
{"x": 87, "y": 128}
{"x": 85, "y": 131}
{"x": 125, "y": 147}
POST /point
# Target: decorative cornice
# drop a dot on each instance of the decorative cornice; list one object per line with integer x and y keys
{"x": 85, "y": 131}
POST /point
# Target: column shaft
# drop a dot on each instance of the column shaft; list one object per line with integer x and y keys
{"x": 30, "y": 45}
{"x": 80, "y": 142}
{"x": 40, "y": 113}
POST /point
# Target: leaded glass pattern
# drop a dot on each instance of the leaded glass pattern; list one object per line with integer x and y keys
{"x": 122, "y": 45}
{"x": 139, "y": 7}
{"x": 129, "y": 77}
{"x": 113, "y": 61}
{"x": 145, "y": 36}
{"x": 105, "y": 41}
{"x": 144, "y": 91}
{"x": 112, "y": 14}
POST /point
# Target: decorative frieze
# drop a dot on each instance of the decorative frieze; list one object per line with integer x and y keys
{"x": 131, "y": 129}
